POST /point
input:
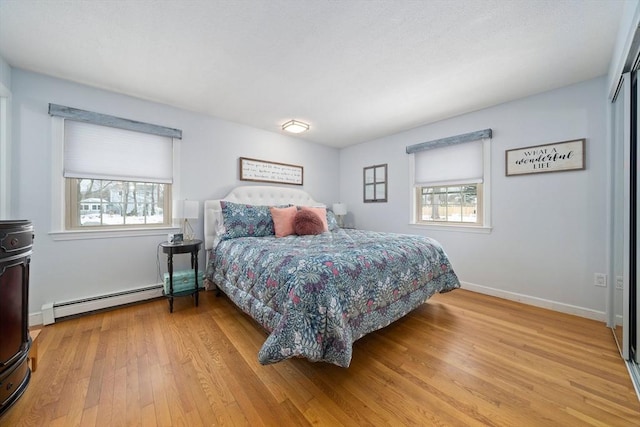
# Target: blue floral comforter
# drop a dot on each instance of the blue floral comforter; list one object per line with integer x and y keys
{"x": 316, "y": 295}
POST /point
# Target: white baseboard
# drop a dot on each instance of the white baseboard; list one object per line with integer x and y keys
{"x": 537, "y": 302}
{"x": 634, "y": 372}
{"x": 52, "y": 311}
{"x": 35, "y": 319}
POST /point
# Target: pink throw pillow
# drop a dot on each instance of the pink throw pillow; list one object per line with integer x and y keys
{"x": 283, "y": 220}
{"x": 322, "y": 214}
{"x": 307, "y": 222}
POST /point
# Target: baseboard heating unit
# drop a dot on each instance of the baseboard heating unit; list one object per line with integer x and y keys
{"x": 58, "y": 310}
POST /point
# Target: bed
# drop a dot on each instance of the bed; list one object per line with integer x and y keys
{"x": 317, "y": 294}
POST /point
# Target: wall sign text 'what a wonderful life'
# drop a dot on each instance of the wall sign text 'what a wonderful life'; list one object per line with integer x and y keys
{"x": 556, "y": 157}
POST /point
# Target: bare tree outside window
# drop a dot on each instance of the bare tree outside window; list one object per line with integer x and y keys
{"x": 117, "y": 203}
{"x": 450, "y": 204}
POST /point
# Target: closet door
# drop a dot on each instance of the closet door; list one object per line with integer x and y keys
{"x": 621, "y": 139}
{"x": 626, "y": 216}
{"x": 619, "y": 246}
{"x": 634, "y": 250}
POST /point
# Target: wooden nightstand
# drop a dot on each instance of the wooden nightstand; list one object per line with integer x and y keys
{"x": 188, "y": 246}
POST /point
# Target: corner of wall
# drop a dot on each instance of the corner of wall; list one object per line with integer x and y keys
{"x": 5, "y": 138}
{"x": 629, "y": 22}
{"x": 5, "y": 78}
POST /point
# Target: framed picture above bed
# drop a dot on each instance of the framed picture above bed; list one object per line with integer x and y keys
{"x": 266, "y": 171}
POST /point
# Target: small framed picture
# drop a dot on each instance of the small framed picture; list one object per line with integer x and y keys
{"x": 375, "y": 183}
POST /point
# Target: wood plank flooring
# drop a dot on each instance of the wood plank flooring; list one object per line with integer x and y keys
{"x": 461, "y": 359}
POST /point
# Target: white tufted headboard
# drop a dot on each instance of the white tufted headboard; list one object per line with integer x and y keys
{"x": 251, "y": 195}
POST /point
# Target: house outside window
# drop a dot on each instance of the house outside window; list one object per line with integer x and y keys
{"x": 115, "y": 203}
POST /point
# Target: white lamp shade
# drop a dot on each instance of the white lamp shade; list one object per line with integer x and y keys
{"x": 191, "y": 209}
{"x": 187, "y": 209}
{"x": 339, "y": 208}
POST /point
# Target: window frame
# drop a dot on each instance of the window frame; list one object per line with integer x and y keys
{"x": 72, "y": 220}
{"x": 485, "y": 213}
{"x": 59, "y": 230}
{"x": 374, "y": 183}
{"x": 479, "y": 208}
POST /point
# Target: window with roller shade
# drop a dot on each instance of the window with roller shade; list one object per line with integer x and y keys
{"x": 116, "y": 178}
{"x": 450, "y": 180}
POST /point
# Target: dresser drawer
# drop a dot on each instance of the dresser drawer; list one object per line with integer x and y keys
{"x": 13, "y": 381}
{"x": 15, "y": 239}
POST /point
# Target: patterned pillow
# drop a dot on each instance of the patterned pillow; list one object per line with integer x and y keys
{"x": 332, "y": 222}
{"x": 307, "y": 222}
{"x": 242, "y": 220}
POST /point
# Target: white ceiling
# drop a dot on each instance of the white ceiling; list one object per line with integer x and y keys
{"x": 356, "y": 70}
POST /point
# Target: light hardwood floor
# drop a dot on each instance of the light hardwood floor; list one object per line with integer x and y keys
{"x": 460, "y": 359}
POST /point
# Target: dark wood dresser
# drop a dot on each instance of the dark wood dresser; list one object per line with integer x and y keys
{"x": 16, "y": 241}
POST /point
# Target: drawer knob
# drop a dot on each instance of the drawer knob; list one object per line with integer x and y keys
{"x": 14, "y": 241}
{"x": 9, "y": 386}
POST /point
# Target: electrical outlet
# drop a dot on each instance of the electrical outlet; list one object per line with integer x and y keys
{"x": 619, "y": 283}
{"x": 600, "y": 279}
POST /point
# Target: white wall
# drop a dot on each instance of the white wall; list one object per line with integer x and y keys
{"x": 5, "y": 77}
{"x": 67, "y": 270}
{"x": 549, "y": 232}
{"x": 624, "y": 40}
{"x": 5, "y": 139}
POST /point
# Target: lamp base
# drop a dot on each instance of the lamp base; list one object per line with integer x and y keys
{"x": 187, "y": 231}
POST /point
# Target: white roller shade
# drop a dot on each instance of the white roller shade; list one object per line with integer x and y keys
{"x": 458, "y": 163}
{"x": 103, "y": 152}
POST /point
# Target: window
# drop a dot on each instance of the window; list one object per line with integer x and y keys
{"x": 451, "y": 204}
{"x": 450, "y": 181}
{"x": 117, "y": 173}
{"x": 97, "y": 202}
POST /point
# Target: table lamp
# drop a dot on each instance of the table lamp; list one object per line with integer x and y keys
{"x": 186, "y": 210}
{"x": 340, "y": 210}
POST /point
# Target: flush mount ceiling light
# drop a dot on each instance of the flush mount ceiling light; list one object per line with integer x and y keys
{"x": 295, "y": 126}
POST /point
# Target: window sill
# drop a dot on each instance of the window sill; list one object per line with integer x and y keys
{"x": 110, "y": 234}
{"x": 456, "y": 227}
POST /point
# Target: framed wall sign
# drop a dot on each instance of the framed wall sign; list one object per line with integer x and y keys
{"x": 556, "y": 157}
{"x": 265, "y": 171}
{"x": 375, "y": 183}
